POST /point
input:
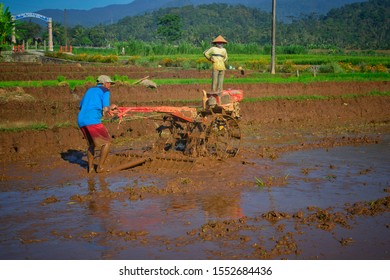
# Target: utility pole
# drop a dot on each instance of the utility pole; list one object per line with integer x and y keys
{"x": 65, "y": 29}
{"x": 273, "y": 36}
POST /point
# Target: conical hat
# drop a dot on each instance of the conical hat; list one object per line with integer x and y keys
{"x": 220, "y": 39}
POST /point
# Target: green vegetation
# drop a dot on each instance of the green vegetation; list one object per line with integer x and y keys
{"x": 261, "y": 62}
{"x": 64, "y": 125}
{"x": 6, "y": 27}
{"x": 251, "y": 79}
{"x": 169, "y": 27}
{"x": 286, "y": 63}
{"x": 271, "y": 181}
{"x": 17, "y": 127}
{"x": 346, "y": 41}
{"x": 28, "y": 83}
{"x": 94, "y": 57}
{"x": 358, "y": 26}
{"x": 260, "y": 183}
{"x": 22, "y": 127}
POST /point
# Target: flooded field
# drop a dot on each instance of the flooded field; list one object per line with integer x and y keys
{"x": 311, "y": 179}
{"x": 311, "y": 204}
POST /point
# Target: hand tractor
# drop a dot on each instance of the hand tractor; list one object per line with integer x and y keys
{"x": 210, "y": 131}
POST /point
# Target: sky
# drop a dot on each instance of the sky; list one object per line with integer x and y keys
{"x": 25, "y": 6}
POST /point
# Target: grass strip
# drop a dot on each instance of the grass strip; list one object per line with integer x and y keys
{"x": 18, "y": 128}
{"x": 259, "y": 78}
{"x": 254, "y": 78}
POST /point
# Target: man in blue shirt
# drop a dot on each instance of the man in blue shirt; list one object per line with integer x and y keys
{"x": 95, "y": 104}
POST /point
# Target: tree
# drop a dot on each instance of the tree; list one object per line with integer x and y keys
{"x": 78, "y": 35}
{"x": 28, "y": 30}
{"x": 169, "y": 27}
{"x": 7, "y": 26}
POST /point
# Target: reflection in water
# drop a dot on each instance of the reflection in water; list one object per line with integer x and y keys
{"x": 97, "y": 188}
{"x": 217, "y": 206}
{"x": 212, "y": 206}
{"x": 116, "y": 213}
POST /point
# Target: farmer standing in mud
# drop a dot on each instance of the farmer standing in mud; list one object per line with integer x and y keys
{"x": 95, "y": 104}
{"x": 217, "y": 54}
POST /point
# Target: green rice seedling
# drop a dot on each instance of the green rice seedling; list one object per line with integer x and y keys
{"x": 63, "y": 125}
{"x": 61, "y": 79}
{"x": 260, "y": 183}
{"x": 90, "y": 79}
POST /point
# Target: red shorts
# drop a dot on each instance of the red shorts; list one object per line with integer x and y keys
{"x": 96, "y": 134}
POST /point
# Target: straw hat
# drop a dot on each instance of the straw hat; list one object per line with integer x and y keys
{"x": 220, "y": 39}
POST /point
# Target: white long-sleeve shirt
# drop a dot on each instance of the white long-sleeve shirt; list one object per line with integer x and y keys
{"x": 217, "y": 56}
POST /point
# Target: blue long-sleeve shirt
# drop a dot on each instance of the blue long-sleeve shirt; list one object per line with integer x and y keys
{"x": 92, "y": 104}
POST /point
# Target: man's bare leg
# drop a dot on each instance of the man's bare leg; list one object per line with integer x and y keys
{"x": 103, "y": 156}
{"x": 91, "y": 157}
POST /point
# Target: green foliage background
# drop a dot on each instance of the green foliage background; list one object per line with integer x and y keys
{"x": 363, "y": 25}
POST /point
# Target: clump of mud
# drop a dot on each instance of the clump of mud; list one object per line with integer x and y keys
{"x": 14, "y": 94}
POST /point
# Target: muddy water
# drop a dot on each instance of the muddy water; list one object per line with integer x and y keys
{"x": 293, "y": 207}
{"x": 324, "y": 178}
{"x": 330, "y": 179}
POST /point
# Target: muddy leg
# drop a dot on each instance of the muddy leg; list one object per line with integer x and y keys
{"x": 90, "y": 156}
{"x": 103, "y": 156}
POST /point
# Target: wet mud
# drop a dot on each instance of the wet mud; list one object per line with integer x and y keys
{"x": 311, "y": 179}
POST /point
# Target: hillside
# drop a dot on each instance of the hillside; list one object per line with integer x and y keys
{"x": 286, "y": 9}
{"x": 363, "y": 25}
{"x": 355, "y": 26}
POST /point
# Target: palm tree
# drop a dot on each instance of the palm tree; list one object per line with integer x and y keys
{"x": 7, "y": 26}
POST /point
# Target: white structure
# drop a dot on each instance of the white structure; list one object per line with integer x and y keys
{"x": 34, "y": 15}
